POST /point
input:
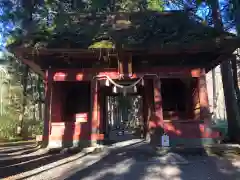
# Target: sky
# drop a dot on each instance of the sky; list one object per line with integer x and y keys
{"x": 1, "y": 29}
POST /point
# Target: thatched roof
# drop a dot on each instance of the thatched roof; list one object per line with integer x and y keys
{"x": 139, "y": 30}
{"x": 164, "y": 39}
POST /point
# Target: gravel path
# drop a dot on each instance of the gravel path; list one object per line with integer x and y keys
{"x": 133, "y": 163}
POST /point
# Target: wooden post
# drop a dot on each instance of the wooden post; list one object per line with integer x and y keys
{"x": 102, "y": 108}
{"x": 125, "y": 65}
{"x": 158, "y": 113}
{"x": 148, "y": 106}
{"x": 158, "y": 100}
{"x": 95, "y": 117}
{"x": 195, "y": 101}
{"x": 153, "y": 108}
{"x": 203, "y": 99}
{"x": 47, "y": 110}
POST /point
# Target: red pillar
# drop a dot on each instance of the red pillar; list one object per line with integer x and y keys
{"x": 204, "y": 108}
{"x": 95, "y": 112}
{"x": 203, "y": 98}
{"x": 102, "y": 108}
{"x": 158, "y": 101}
{"x": 154, "y": 110}
{"x": 148, "y": 105}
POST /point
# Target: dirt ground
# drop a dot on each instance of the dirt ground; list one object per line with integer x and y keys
{"x": 131, "y": 162}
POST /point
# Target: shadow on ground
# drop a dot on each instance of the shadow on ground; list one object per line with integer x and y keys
{"x": 137, "y": 163}
{"x": 11, "y": 164}
{"x": 11, "y": 151}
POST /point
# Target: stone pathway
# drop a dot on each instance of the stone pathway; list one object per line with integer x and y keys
{"x": 124, "y": 161}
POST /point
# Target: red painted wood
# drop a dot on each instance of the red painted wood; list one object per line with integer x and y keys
{"x": 81, "y": 117}
{"x": 68, "y": 127}
{"x": 149, "y": 105}
{"x": 157, "y": 103}
{"x": 152, "y": 107}
{"x": 73, "y": 131}
{"x": 58, "y": 99}
{"x": 189, "y": 130}
{"x": 75, "y": 137}
{"x": 95, "y": 123}
{"x": 170, "y": 71}
{"x": 59, "y": 76}
{"x": 89, "y": 74}
{"x": 203, "y": 99}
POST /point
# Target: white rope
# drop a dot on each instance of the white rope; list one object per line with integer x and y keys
{"x": 125, "y": 86}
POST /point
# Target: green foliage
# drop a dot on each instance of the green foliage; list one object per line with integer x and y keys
{"x": 157, "y": 5}
{"x": 102, "y": 44}
{"x": 129, "y": 5}
{"x": 32, "y": 127}
{"x": 32, "y": 123}
{"x": 8, "y": 128}
{"x": 54, "y": 16}
{"x": 98, "y": 6}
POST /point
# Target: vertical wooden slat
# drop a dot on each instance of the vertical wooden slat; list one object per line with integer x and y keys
{"x": 120, "y": 67}
{"x": 130, "y": 70}
{"x": 125, "y": 64}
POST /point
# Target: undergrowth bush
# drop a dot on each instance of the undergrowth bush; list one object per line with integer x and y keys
{"x": 8, "y": 128}
{"x": 32, "y": 128}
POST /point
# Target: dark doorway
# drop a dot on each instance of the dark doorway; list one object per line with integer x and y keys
{"x": 77, "y": 99}
{"x": 178, "y": 98}
{"x": 124, "y": 117}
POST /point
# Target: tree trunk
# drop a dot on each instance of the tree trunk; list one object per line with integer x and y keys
{"x": 230, "y": 101}
{"x": 236, "y": 7}
{"x": 47, "y": 114}
{"x": 214, "y": 90}
{"x": 112, "y": 6}
{"x": 39, "y": 99}
{"x": 24, "y": 100}
{"x": 227, "y": 79}
{"x": 235, "y": 79}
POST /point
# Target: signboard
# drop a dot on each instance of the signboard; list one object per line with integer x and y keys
{"x": 165, "y": 140}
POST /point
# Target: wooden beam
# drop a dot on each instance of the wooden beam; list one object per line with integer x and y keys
{"x": 220, "y": 45}
{"x": 219, "y": 60}
{"x": 36, "y": 68}
{"x": 33, "y": 66}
